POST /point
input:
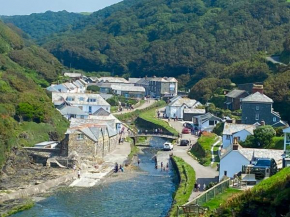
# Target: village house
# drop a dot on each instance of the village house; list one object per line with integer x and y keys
{"x": 105, "y": 116}
{"x": 258, "y": 107}
{"x": 189, "y": 113}
{"x": 76, "y": 86}
{"x": 235, "y": 156}
{"x": 176, "y": 108}
{"x": 88, "y": 103}
{"x": 73, "y": 112}
{"x": 89, "y": 138}
{"x": 128, "y": 91}
{"x": 234, "y": 98}
{"x": 239, "y": 131}
{"x": 206, "y": 122}
{"x": 158, "y": 86}
{"x": 73, "y": 76}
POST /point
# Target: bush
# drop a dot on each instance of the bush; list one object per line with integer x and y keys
{"x": 93, "y": 88}
{"x": 264, "y": 134}
{"x": 219, "y": 129}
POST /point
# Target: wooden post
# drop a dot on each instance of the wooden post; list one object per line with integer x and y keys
{"x": 214, "y": 192}
{"x": 177, "y": 211}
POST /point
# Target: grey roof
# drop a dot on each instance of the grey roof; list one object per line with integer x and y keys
{"x": 184, "y": 101}
{"x": 208, "y": 116}
{"x": 194, "y": 111}
{"x": 72, "y": 110}
{"x": 128, "y": 88}
{"x": 235, "y": 93}
{"x": 73, "y": 75}
{"x": 80, "y": 98}
{"x": 134, "y": 80}
{"x": 102, "y": 112}
{"x": 143, "y": 81}
{"x": 106, "y": 95}
{"x": 262, "y": 153}
{"x": 258, "y": 97}
{"x": 113, "y": 80}
{"x": 230, "y": 128}
{"x": 52, "y": 89}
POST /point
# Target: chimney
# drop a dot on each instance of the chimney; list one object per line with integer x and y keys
{"x": 233, "y": 120}
{"x": 236, "y": 144}
{"x": 263, "y": 123}
{"x": 258, "y": 88}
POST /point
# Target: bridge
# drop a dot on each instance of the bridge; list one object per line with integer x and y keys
{"x": 165, "y": 136}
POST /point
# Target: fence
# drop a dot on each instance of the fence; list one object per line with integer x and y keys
{"x": 204, "y": 197}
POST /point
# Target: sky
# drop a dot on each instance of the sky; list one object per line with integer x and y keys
{"x": 26, "y": 7}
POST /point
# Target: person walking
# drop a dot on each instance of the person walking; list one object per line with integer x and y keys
{"x": 79, "y": 173}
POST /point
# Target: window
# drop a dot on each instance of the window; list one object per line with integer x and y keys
{"x": 228, "y": 137}
{"x": 70, "y": 98}
{"x": 257, "y": 117}
{"x": 92, "y": 100}
{"x": 274, "y": 119}
{"x": 80, "y": 137}
{"x": 82, "y": 98}
{"x": 211, "y": 123}
{"x": 257, "y": 108}
{"x": 82, "y": 117}
{"x": 90, "y": 109}
{"x": 107, "y": 108}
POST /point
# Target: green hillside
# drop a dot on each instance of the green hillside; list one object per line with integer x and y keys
{"x": 271, "y": 197}
{"x": 41, "y": 25}
{"x": 174, "y": 37}
{"x": 27, "y": 115}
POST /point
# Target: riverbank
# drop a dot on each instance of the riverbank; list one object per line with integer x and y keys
{"x": 186, "y": 183}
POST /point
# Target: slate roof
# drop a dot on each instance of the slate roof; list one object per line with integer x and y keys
{"x": 80, "y": 98}
{"x": 73, "y": 75}
{"x": 113, "y": 80}
{"x": 184, "y": 101}
{"x": 235, "y": 93}
{"x": 230, "y": 128}
{"x": 208, "y": 116}
{"x": 102, "y": 112}
{"x": 134, "y": 80}
{"x": 128, "y": 88}
{"x": 257, "y": 97}
{"x": 67, "y": 110}
{"x": 194, "y": 111}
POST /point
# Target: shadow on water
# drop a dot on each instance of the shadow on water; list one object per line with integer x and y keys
{"x": 148, "y": 193}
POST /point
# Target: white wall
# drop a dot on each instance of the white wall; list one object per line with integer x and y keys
{"x": 232, "y": 163}
{"x": 170, "y": 111}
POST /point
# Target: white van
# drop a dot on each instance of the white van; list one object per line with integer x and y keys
{"x": 167, "y": 146}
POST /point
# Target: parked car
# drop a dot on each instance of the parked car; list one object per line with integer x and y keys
{"x": 186, "y": 131}
{"x": 188, "y": 125}
{"x": 184, "y": 142}
{"x": 167, "y": 146}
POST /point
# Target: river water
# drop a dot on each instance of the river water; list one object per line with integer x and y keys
{"x": 148, "y": 193}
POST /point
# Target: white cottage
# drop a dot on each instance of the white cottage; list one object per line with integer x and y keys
{"x": 88, "y": 103}
{"x": 235, "y": 156}
{"x": 239, "y": 131}
{"x": 176, "y": 107}
{"x": 206, "y": 122}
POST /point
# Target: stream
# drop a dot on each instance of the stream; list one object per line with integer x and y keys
{"x": 146, "y": 192}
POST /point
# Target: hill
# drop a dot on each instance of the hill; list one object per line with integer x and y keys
{"x": 174, "y": 37}
{"x": 41, "y": 25}
{"x": 27, "y": 115}
{"x": 271, "y": 197}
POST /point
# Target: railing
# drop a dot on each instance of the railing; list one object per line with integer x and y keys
{"x": 204, "y": 197}
{"x": 167, "y": 135}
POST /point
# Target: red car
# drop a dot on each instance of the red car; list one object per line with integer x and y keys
{"x": 186, "y": 131}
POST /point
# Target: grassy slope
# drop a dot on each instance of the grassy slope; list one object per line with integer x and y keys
{"x": 203, "y": 151}
{"x": 150, "y": 116}
{"x": 270, "y": 197}
{"x": 221, "y": 198}
{"x": 187, "y": 180}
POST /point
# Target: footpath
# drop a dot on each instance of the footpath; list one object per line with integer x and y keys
{"x": 204, "y": 175}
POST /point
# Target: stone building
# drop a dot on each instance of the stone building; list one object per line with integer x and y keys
{"x": 90, "y": 138}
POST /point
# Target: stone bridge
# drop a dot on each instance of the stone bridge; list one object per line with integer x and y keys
{"x": 135, "y": 136}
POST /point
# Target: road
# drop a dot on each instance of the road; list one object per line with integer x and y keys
{"x": 204, "y": 175}
{"x": 146, "y": 104}
{"x": 275, "y": 60}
